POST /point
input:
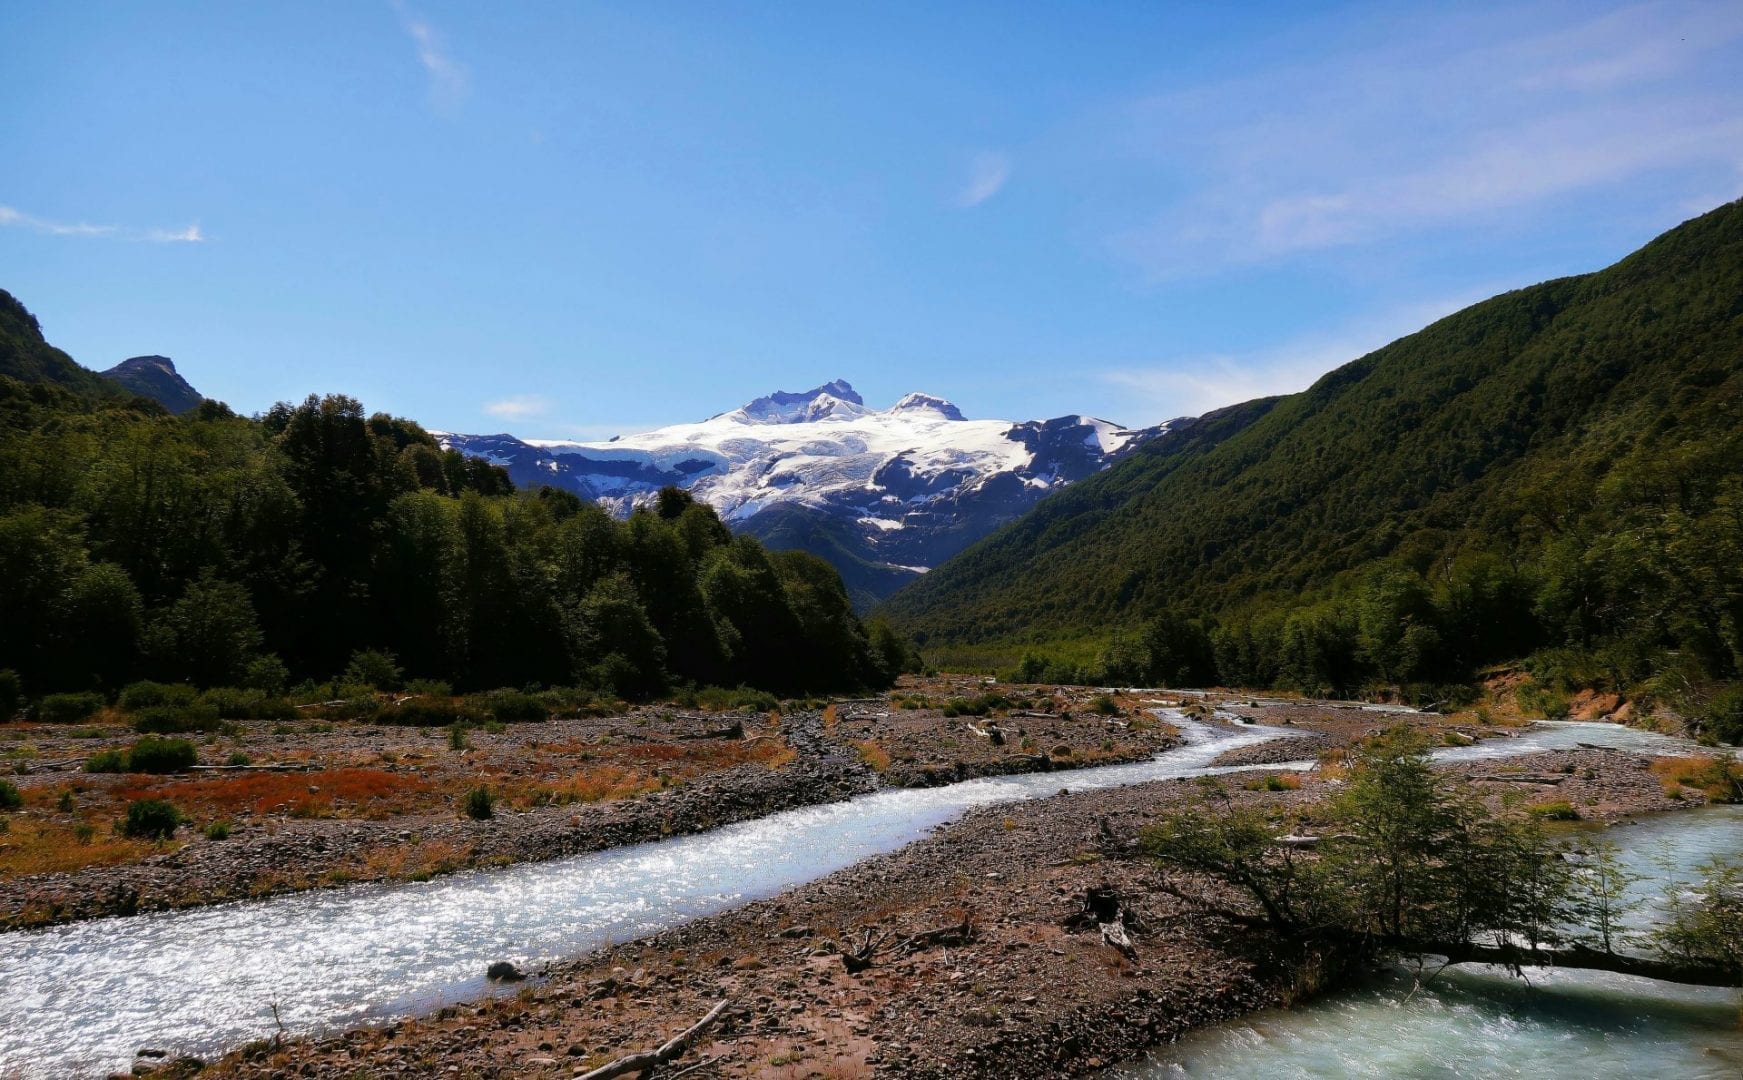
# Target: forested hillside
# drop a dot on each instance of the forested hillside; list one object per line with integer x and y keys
{"x": 1558, "y": 468}
{"x": 224, "y": 550}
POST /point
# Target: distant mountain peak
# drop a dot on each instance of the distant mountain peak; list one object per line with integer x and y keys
{"x": 833, "y": 399}
{"x": 927, "y": 403}
{"x": 155, "y": 377}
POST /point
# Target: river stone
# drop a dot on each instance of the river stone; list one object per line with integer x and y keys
{"x": 503, "y": 971}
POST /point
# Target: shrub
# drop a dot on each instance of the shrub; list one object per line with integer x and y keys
{"x": 267, "y": 674}
{"x": 457, "y": 737}
{"x": 720, "y": 699}
{"x": 169, "y": 719}
{"x": 68, "y": 708}
{"x": 218, "y": 830}
{"x": 161, "y": 756}
{"x": 237, "y": 757}
{"x": 509, "y": 706}
{"x": 1559, "y": 810}
{"x": 424, "y": 712}
{"x": 11, "y": 693}
{"x": 152, "y": 819}
{"x": 1104, "y": 705}
{"x": 107, "y": 761}
{"x": 479, "y": 804}
{"x": 429, "y": 688}
{"x": 375, "y": 669}
{"x": 243, "y": 703}
{"x": 84, "y": 832}
{"x": 1547, "y": 703}
{"x": 146, "y": 695}
{"x": 1723, "y": 716}
{"x": 10, "y": 799}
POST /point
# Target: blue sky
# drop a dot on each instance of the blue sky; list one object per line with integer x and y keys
{"x": 575, "y": 220}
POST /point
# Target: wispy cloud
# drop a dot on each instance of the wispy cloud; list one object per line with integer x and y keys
{"x": 518, "y": 408}
{"x": 988, "y": 171}
{"x": 450, "y": 81}
{"x": 10, "y": 217}
{"x": 1435, "y": 126}
{"x": 1190, "y": 385}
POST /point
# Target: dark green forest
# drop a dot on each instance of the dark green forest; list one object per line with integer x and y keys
{"x": 1553, "y": 474}
{"x": 222, "y": 550}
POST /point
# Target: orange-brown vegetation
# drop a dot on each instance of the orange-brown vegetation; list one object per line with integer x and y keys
{"x": 1718, "y": 779}
{"x": 370, "y": 793}
{"x": 34, "y": 845}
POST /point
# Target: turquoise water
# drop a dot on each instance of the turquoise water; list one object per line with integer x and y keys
{"x": 1478, "y": 1021}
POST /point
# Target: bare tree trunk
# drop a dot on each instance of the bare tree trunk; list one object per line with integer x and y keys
{"x": 671, "y": 1049}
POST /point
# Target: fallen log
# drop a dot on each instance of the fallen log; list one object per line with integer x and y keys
{"x": 1689, "y": 973}
{"x": 271, "y": 766}
{"x": 734, "y": 730}
{"x": 670, "y": 1050}
{"x": 52, "y": 766}
{"x": 1546, "y": 779}
{"x": 956, "y": 934}
{"x": 856, "y": 960}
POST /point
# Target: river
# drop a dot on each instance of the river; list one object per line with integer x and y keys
{"x": 81, "y": 999}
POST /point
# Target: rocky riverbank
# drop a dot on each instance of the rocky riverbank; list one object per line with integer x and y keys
{"x": 975, "y": 967}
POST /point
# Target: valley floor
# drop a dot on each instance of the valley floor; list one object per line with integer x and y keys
{"x": 980, "y": 974}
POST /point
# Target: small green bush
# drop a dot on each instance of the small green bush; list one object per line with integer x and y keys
{"x": 242, "y": 703}
{"x": 479, "y": 805}
{"x": 161, "y": 756}
{"x": 1104, "y": 705}
{"x": 1723, "y": 716}
{"x": 68, "y": 708}
{"x": 1559, "y": 810}
{"x": 151, "y": 819}
{"x": 218, "y": 830}
{"x": 107, "y": 761}
{"x": 429, "y": 688}
{"x": 146, "y": 695}
{"x": 267, "y": 674}
{"x": 237, "y": 757}
{"x": 10, "y": 799}
{"x": 65, "y": 803}
{"x": 375, "y": 669}
{"x": 171, "y": 719}
{"x": 743, "y": 698}
{"x": 509, "y": 706}
{"x": 11, "y": 694}
{"x": 425, "y": 712}
{"x": 457, "y": 737}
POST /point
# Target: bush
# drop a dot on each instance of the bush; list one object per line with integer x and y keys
{"x": 107, "y": 761}
{"x": 1559, "y": 810}
{"x": 68, "y": 708}
{"x": 375, "y": 669}
{"x": 1104, "y": 705}
{"x": 479, "y": 805}
{"x": 267, "y": 674}
{"x": 457, "y": 737}
{"x": 151, "y": 819}
{"x": 237, "y": 757}
{"x": 509, "y": 706}
{"x": 169, "y": 719}
{"x": 243, "y": 703}
{"x": 720, "y": 699}
{"x": 161, "y": 756}
{"x": 218, "y": 830}
{"x": 1723, "y": 716}
{"x": 425, "y": 712}
{"x": 10, "y": 799}
{"x": 11, "y": 693}
{"x": 146, "y": 695}
{"x": 429, "y": 688}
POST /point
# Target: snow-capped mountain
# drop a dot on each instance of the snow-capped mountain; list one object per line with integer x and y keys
{"x": 883, "y": 494}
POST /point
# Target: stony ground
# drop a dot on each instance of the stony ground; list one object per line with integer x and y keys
{"x": 978, "y": 973}
{"x": 326, "y": 803}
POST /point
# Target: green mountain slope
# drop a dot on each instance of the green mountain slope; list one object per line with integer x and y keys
{"x": 25, "y": 356}
{"x": 1530, "y": 427}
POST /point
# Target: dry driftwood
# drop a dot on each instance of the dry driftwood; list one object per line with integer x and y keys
{"x": 856, "y": 960}
{"x": 1104, "y": 909}
{"x": 734, "y": 730}
{"x": 670, "y": 1050}
{"x": 52, "y": 766}
{"x": 1522, "y": 778}
{"x": 271, "y": 766}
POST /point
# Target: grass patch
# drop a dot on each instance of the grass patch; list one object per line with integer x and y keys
{"x": 1720, "y": 780}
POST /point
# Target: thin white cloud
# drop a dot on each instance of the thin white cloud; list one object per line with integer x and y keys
{"x": 518, "y": 408}
{"x": 1437, "y": 126}
{"x": 988, "y": 172}
{"x": 14, "y": 218}
{"x": 450, "y": 81}
{"x": 1191, "y": 385}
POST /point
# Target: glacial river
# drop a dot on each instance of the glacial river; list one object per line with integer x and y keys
{"x": 82, "y": 999}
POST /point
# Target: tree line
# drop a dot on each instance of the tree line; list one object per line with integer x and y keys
{"x": 218, "y": 549}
